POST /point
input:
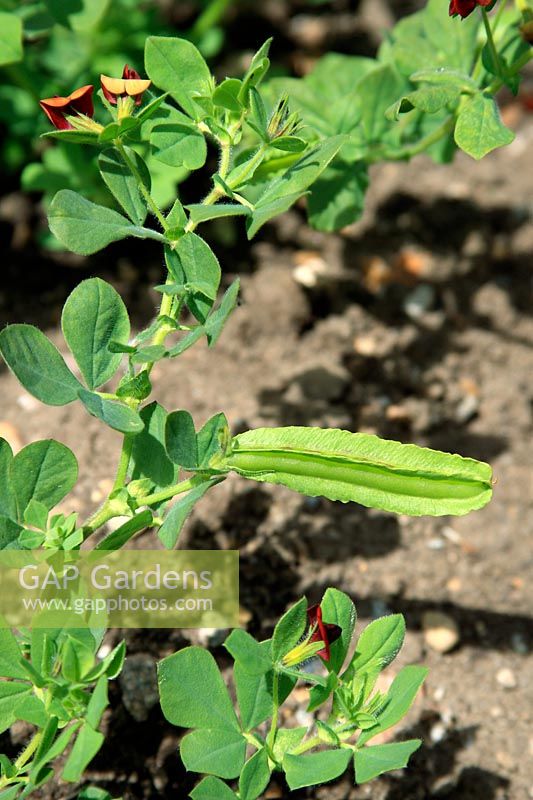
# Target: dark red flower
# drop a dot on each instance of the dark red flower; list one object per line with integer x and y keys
{"x": 463, "y": 8}
{"x": 326, "y": 632}
{"x": 130, "y": 85}
{"x": 57, "y": 109}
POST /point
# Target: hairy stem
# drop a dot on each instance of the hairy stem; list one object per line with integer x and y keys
{"x": 124, "y": 462}
{"x": 216, "y": 193}
{"x": 150, "y": 202}
{"x": 24, "y": 757}
{"x": 271, "y": 738}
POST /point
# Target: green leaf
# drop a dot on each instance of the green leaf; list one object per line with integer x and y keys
{"x": 254, "y": 695}
{"x": 177, "y": 67}
{"x": 93, "y": 316}
{"x": 31, "y": 709}
{"x": 315, "y": 768}
{"x": 479, "y": 128}
{"x": 212, "y": 789}
{"x": 85, "y": 228}
{"x": 10, "y": 693}
{"x": 70, "y": 137}
{"x": 192, "y": 692}
{"x": 38, "y": 365}
{"x": 430, "y": 39}
{"x": 256, "y": 71}
{"x": 244, "y": 648}
{"x": 8, "y": 501}
{"x": 36, "y": 515}
{"x": 379, "y": 644}
{"x": 282, "y": 192}
{"x": 79, "y": 16}
{"x": 376, "y": 92}
{"x": 98, "y": 702}
{"x": 122, "y": 184}
{"x": 180, "y": 440}
{"x": 200, "y": 213}
{"x": 149, "y": 457}
{"x": 289, "y": 629}
{"x": 287, "y": 739}
{"x": 119, "y": 537}
{"x": 429, "y": 99}
{"x": 137, "y": 388}
{"x": 338, "y": 195}
{"x": 362, "y": 468}
{"x": 115, "y": 130}
{"x": 447, "y": 76}
{"x": 58, "y": 747}
{"x": 110, "y": 666}
{"x": 217, "y": 752}
{"x": 87, "y": 744}
{"x": 10, "y": 39}
{"x": 255, "y": 776}
{"x": 9, "y": 533}
{"x": 337, "y": 608}
{"x": 46, "y": 739}
{"x": 226, "y": 95}
{"x": 192, "y": 261}
{"x": 45, "y": 471}
{"x": 212, "y": 441}
{"x": 177, "y": 142}
{"x": 10, "y": 656}
{"x": 373, "y": 761}
{"x": 398, "y": 700}
{"x": 170, "y": 530}
{"x": 215, "y": 322}
{"x": 117, "y": 415}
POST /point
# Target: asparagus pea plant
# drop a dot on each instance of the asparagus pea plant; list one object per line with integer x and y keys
{"x": 305, "y": 641}
{"x": 277, "y": 142}
{"x": 58, "y": 685}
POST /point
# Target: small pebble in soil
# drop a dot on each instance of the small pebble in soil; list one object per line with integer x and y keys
{"x": 454, "y": 585}
{"x": 27, "y": 402}
{"x": 435, "y": 544}
{"x": 437, "y": 732}
{"x": 506, "y": 678}
{"x": 467, "y": 409}
{"x": 439, "y": 694}
{"x": 441, "y": 632}
{"x": 419, "y": 301}
{"x": 519, "y": 644}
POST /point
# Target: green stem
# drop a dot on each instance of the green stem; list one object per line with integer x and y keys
{"x": 124, "y": 462}
{"x": 152, "y": 205}
{"x": 172, "y": 491}
{"x": 216, "y": 193}
{"x": 490, "y": 40}
{"x": 99, "y": 518}
{"x": 24, "y": 757}
{"x": 271, "y": 738}
{"x": 524, "y": 59}
{"x": 315, "y": 741}
{"x": 418, "y": 147}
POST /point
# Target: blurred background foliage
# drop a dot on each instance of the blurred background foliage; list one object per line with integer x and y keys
{"x": 51, "y": 47}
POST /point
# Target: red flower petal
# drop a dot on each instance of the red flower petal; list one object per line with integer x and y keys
{"x": 463, "y": 8}
{"x": 130, "y": 74}
{"x": 56, "y": 108}
{"x": 326, "y": 632}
